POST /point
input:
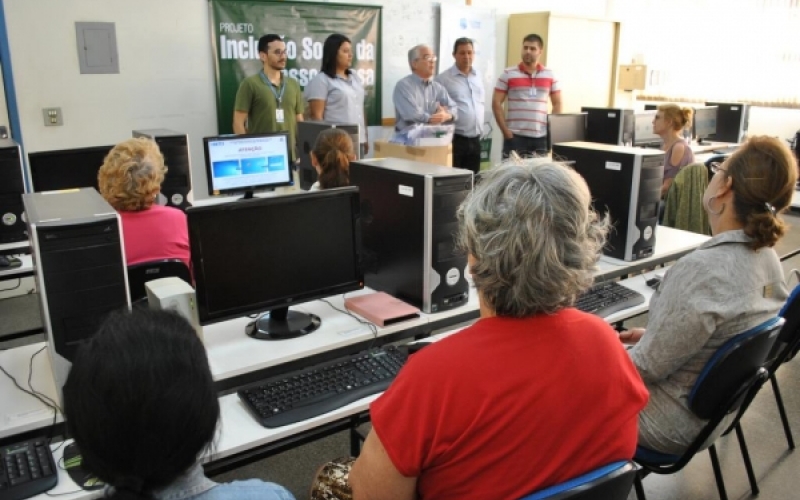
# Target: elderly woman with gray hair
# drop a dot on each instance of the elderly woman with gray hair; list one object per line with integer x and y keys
{"x": 535, "y": 392}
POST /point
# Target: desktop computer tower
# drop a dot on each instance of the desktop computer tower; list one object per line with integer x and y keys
{"x": 625, "y": 183}
{"x": 733, "y": 119}
{"x": 12, "y": 186}
{"x": 408, "y": 214}
{"x": 609, "y": 125}
{"x": 178, "y": 180}
{"x": 307, "y": 133}
{"x": 76, "y": 241}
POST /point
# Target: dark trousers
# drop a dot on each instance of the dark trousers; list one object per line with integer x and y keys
{"x": 467, "y": 152}
{"x": 525, "y": 146}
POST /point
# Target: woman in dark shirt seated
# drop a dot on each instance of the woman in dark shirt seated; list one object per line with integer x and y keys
{"x": 130, "y": 181}
{"x": 730, "y": 284}
{"x": 140, "y": 403}
{"x": 532, "y": 394}
{"x": 331, "y": 157}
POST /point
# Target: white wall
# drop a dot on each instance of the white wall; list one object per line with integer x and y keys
{"x": 166, "y": 77}
{"x": 640, "y": 20}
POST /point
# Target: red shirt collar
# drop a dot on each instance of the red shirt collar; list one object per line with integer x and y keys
{"x": 539, "y": 67}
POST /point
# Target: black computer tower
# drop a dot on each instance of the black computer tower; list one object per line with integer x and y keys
{"x": 609, "y": 125}
{"x": 408, "y": 214}
{"x": 625, "y": 183}
{"x": 307, "y": 132}
{"x": 76, "y": 241}
{"x": 178, "y": 181}
{"x": 12, "y": 186}
{"x": 733, "y": 119}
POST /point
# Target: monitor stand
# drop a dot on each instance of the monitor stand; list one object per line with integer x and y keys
{"x": 282, "y": 323}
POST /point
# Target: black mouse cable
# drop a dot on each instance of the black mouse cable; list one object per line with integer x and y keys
{"x": 19, "y": 284}
{"x": 44, "y": 399}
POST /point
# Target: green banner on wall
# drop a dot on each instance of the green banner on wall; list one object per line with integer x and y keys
{"x": 237, "y": 25}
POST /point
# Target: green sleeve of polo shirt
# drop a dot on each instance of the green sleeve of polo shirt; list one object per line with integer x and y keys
{"x": 244, "y": 96}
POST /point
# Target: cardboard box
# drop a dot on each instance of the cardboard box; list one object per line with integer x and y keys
{"x": 438, "y": 155}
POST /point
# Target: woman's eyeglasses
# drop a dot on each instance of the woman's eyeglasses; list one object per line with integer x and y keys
{"x": 716, "y": 167}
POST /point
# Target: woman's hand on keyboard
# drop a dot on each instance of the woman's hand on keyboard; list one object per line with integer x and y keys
{"x": 631, "y": 336}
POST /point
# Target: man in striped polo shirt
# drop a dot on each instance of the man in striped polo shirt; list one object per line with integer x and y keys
{"x": 527, "y": 86}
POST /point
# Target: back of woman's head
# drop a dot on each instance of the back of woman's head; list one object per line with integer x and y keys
{"x": 763, "y": 173}
{"x": 681, "y": 118}
{"x": 333, "y": 151}
{"x": 131, "y": 175}
{"x": 533, "y": 236}
{"x": 140, "y": 401}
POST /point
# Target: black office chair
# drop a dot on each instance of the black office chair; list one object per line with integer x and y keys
{"x": 784, "y": 349}
{"x": 139, "y": 274}
{"x": 727, "y": 382}
{"x": 610, "y": 482}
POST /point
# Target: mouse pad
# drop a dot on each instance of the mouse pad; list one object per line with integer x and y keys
{"x": 72, "y": 464}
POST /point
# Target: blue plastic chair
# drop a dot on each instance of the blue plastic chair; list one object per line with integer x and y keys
{"x": 610, "y": 482}
{"x": 726, "y": 384}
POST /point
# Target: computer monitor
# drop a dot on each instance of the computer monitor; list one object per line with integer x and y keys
{"x": 704, "y": 123}
{"x": 733, "y": 119}
{"x": 66, "y": 169}
{"x": 565, "y": 127}
{"x": 266, "y": 254}
{"x": 643, "y": 134}
{"x": 609, "y": 125}
{"x": 237, "y": 164}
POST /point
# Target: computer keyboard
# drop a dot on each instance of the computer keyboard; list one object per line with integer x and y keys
{"x": 604, "y": 299}
{"x": 726, "y": 150}
{"x": 26, "y": 469}
{"x": 300, "y": 395}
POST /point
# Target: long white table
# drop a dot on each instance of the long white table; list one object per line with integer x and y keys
{"x": 236, "y": 359}
{"x": 239, "y": 434}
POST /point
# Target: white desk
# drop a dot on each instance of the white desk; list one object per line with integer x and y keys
{"x": 26, "y": 269}
{"x": 236, "y": 359}
{"x": 708, "y": 146}
{"x": 671, "y": 244}
{"x": 234, "y": 356}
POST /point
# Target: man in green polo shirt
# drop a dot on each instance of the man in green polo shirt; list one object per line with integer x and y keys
{"x": 269, "y": 101}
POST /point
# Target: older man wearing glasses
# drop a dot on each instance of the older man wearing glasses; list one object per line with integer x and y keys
{"x": 269, "y": 101}
{"x": 419, "y": 99}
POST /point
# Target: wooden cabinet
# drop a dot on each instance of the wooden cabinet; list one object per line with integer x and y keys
{"x": 581, "y": 52}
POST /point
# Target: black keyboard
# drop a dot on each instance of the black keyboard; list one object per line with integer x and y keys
{"x": 26, "y": 469}
{"x": 604, "y": 299}
{"x": 306, "y": 393}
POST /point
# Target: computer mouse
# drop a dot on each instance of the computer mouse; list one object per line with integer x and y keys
{"x": 4, "y": 262}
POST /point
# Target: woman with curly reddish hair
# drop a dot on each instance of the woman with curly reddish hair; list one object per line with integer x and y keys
{"x": 130, "y": 181}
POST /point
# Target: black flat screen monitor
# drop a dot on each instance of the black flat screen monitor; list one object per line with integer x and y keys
{"x": 565, "y": 127}
{"x": 643, "y": 134}
{"x": 66, "y": 169}
{"x": 704, "y": 123}
{"x": 247, "y": 163}
{"x": 266, "y": 254}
